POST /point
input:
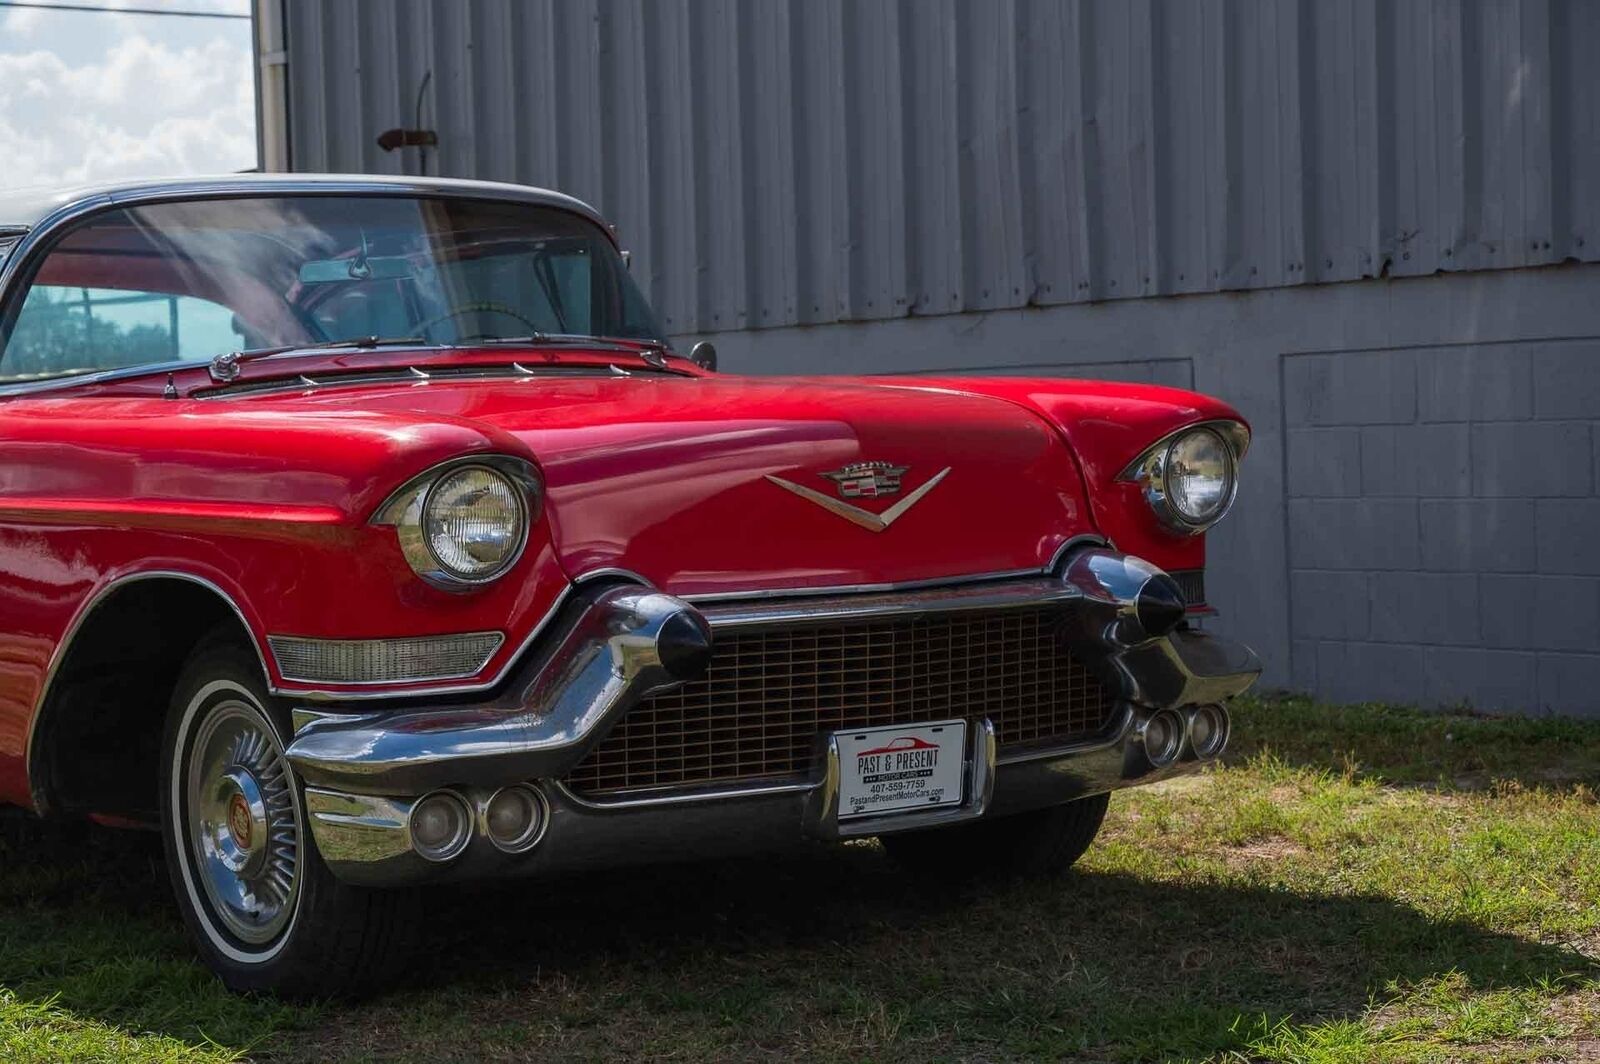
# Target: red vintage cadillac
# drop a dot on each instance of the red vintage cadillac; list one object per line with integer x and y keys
{"x": 363, "y": 533}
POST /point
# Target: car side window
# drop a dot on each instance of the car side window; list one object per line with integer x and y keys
{"x": 62, "y": 330}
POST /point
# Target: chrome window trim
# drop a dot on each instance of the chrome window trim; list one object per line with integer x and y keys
{"x": 80, "y": 208}
{"x": 10, "y": 237}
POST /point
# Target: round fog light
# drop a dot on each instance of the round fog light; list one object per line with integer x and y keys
{"x": 1208, "y": 731}
{"x": 1163, "y": 736}
{"x": 441, "y": 825}
{"x": 513, "y": 818}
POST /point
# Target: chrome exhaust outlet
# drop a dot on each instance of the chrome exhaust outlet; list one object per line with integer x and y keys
{"x": 439, "y": 826}
{"x": 514, "y": 818}
{"x": 1209, "y": 728}
{"x": 1162, "y": 734}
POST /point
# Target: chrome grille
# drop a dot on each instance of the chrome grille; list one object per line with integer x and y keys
{"x": 1193, "y": 583}
{"x": 769, "y": 694}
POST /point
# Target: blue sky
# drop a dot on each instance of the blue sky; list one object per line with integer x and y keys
{"x": 87, "y": 96}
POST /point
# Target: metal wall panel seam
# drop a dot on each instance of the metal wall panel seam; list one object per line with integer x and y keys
{"x": 774, "y": 162}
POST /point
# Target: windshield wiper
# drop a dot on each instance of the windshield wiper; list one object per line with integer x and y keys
{"x": 225, "y": 367}
{"x": 653, "y": 352}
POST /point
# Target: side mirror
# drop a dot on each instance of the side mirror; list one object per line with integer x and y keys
{"x": 704, "y": 355}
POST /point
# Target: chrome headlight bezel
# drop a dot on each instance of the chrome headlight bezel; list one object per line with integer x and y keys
{"x": 405, "y": 510}
{"x": 1149, "y": 471}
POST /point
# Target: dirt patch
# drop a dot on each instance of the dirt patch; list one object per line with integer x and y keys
{"x": 1581, "y": 1012}
{"x": 1182, "y": 784}
{"x": 1275, "y": 849}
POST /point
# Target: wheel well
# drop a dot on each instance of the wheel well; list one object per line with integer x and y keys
{"x": 97, "y": 741}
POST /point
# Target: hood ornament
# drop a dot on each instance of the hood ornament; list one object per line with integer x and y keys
{"x": 865, "y": 480}
{"x": 225, "y": 367}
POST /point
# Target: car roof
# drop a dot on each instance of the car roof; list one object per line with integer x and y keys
{"x": 23, "y": 209}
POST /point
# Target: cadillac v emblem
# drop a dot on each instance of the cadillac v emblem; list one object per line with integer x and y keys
{"x": 864, "y": 480}
{"x": 867, "y": 480}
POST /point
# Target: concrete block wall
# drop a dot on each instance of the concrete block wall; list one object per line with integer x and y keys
{"x": 1444, "y": 523}
{"x": 1419, "y": 515}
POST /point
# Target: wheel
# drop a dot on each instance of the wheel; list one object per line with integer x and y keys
{"x": 260, "y": 904}
{"x": 1040, "y": 842}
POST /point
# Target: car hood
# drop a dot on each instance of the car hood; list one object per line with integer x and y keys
{"x": 706, "y": 485}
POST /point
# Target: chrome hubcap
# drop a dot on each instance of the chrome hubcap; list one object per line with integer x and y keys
{"x": 244, "y": 822}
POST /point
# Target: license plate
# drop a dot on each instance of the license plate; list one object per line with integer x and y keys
{"x": 900, "y": 769}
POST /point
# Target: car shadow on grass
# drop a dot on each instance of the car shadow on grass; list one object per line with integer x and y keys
{"x": 1110, "y": 963}
{"x": 830, "y": 952}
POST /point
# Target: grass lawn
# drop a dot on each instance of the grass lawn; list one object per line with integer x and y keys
{"x": 1356, "y": 885}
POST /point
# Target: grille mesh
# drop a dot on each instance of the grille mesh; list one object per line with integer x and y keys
{"x": 1193, "y": 583}
{"x": 768, "y": 694}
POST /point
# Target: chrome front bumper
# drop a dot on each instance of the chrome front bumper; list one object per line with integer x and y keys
{"x": 617, "y": 645}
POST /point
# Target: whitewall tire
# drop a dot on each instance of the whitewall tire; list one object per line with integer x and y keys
{"x": 261, "y": 906}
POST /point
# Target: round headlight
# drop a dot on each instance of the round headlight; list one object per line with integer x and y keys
{"x": 473, "y": 523}
{"x": 1198, "y": 476}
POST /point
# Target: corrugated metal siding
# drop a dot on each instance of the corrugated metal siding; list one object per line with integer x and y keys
{"x": 773, "y": 162}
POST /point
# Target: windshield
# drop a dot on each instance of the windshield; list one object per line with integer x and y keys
{"x": 191, "y": 280}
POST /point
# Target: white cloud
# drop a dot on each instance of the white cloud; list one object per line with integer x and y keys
{"x": 20, "y": 23}
{"x": 140, "y": 107}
